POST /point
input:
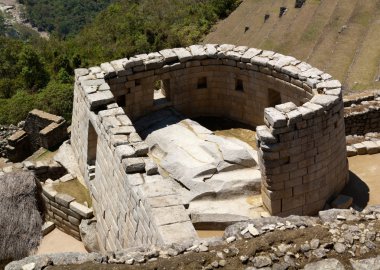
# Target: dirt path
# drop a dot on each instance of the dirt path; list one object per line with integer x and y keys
{"x": 58, "y": 242}
{"x": 16, "y": 17}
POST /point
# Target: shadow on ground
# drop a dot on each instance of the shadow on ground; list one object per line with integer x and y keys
{"x": 358, "y": 190}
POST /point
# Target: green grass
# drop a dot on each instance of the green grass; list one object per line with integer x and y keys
{"x": 75, "y": 189}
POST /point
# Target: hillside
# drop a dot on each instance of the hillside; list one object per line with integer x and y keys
{"x": 62, "y": 16}
{"x": 340, "y": 37}
{"x": 37, "y": 73}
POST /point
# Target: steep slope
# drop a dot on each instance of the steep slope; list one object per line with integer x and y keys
{"x": 341, "y": 37}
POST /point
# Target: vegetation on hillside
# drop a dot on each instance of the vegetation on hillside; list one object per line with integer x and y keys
{"x": 37, "y": 73}
{"x": 62, "y": 16}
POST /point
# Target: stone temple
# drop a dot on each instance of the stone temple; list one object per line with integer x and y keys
{"x": 155, "y": 175}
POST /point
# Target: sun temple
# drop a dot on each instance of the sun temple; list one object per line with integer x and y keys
{"x": 156, "y": 174}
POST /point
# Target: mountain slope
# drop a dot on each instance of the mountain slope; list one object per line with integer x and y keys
{"x": 341, "y": 37}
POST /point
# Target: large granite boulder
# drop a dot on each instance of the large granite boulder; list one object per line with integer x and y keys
{"x": 202, "y": 161}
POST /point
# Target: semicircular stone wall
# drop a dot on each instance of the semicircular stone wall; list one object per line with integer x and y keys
{"x": 297, "y": 111}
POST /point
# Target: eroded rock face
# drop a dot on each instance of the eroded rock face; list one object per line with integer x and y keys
{"x": 201, "y": 161}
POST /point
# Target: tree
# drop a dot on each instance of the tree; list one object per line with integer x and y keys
{"x": 33, "y": 72}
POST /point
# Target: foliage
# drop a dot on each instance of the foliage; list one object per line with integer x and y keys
{"x": 129, "y": 27}
{"x": 38, "y": 73}
{"x": 2, "y": 25}
{"x": 56, "y": 98}
{"x": 62, "y": 16}
{"x": 33, "y": 71}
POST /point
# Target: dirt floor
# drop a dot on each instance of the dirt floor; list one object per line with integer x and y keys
{"x": 364, "y": 183}
{"x": 57, "y": 242}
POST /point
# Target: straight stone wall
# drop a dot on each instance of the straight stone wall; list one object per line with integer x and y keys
{"x": 363, "y": 119}
{"x": 301, "y": 149}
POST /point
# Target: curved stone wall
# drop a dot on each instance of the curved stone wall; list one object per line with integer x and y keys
{"x": 298, "y": 111}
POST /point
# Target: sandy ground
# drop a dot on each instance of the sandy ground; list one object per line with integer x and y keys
{"x": 365, "y": 179}
{"x": 57, "y": 242}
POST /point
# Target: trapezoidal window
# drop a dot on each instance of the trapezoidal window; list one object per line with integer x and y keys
{"x": 161, "y": 94}
{"x": 92, "y": 143}
{"x": 274, "y": 98}
{"x": 121, "y": 101}
{"x": 239, "y": 86}
{"x": 202, "y": 83}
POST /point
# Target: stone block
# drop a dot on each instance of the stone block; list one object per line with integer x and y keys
{"x": 169, "y": 55}
{"x": 108, "y": 70}
{"x": 133, "y": 165}
{"x": 74, "y": 221}
{"x": 273, "y": 206}
{"x": 326, "y": 101}
{"x": 286, "y": 107}
{"x": 263, "y": 134}
{"x": 141, "y": 149}
{"x": 162, "y": 188}
{"x": 151, "y": 167}
{"x": 342, "y": 202}
{"x": 351, "y": 151}
{"x": 294, "y": 117}
{"x": 64, "y": 199}
{"x": 372, "y": 147}
{"x": 291, "y": 70}
{"x": 183, "y": 54}
{"x": 164, "y": 201}
{"x": 361, "y": 149}
{"x": 251, "y": 52}
{"x": 99, "y": 99}
{"x": 275, "y": 118}
{"x": 122, "y": 130}
{"x": 47, "y": 227}
{"x": 49, "y": 191}
{"x": 81, "y": 209}
{"x": 154, "y": 63}
{"x": 124, "y": 151}
{"x": 93, "y": 82}
{"x": 170, "y": 215}
{"x": 135, "y": 179}
{"x": 198, "y": 52}
{"x": 177, "y": 233}
{"x": 119, "y": 140}
{"x": 329, "y": 84}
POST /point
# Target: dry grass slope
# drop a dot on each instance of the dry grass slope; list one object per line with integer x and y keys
{"x": 341, "y": 37}
{"x": 20, "y": 219}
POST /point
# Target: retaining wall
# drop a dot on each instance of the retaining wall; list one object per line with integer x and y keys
{"x": 64, "y": 211}
{"x": 363, "y": 119}
{"x": 302, "y": 149}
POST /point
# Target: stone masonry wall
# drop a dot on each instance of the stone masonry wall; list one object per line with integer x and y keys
{"x": 64, "y": 211}
{"x": 45, "y": 129}
{"x": 301, "y": 149}
{"x": 131, "y": 206}
{"x": 363, "y": 119}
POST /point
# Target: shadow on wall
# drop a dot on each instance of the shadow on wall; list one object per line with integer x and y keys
{"x": 358, "y": 190}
